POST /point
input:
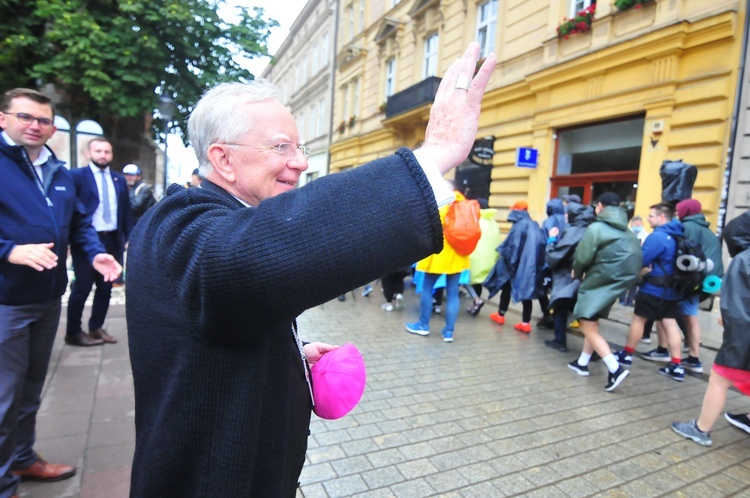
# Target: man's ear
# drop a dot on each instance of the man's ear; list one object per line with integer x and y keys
{"x": 219, "y": 155}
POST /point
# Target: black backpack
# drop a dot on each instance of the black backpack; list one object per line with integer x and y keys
{"x": 687, "y": 281}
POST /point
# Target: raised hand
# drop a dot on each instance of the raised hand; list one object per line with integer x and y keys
{"x": 454, "y": 115}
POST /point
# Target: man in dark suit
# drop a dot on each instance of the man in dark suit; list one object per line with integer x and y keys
{"x": 104, "y": 195}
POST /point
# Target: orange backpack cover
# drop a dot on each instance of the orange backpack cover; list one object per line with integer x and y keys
{"x": 461, "y": 226}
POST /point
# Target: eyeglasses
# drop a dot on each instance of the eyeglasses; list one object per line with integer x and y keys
{"x": 285, "y": 150}
{"x": 28, "y": 119}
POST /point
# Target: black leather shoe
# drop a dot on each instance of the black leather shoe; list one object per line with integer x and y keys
{"x": 83, "y": 340}
{"x": 556, "y": 345}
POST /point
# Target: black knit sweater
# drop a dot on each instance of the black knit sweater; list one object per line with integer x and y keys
{"x": 222, "y": 406}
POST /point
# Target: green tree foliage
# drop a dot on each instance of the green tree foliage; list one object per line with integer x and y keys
{"x": 115, "y": 57}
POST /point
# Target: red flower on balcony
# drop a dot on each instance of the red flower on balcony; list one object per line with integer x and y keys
{"x": 581, "y": 23}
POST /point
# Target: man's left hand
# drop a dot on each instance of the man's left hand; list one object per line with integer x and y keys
{"x": 315, "y": 351}
{"x": 107, "y": 265}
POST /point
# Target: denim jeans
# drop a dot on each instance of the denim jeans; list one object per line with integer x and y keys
{"x": 451, "y": 291}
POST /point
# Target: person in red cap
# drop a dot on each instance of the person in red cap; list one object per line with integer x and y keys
{"x": 696, "y": 229}
{"x": 518, "y": 271}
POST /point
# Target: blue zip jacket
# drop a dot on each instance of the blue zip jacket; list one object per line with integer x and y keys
{"x": 28, "y": 216}
{"x": 658, "y": 252}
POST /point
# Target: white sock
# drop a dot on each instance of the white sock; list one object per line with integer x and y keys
{"x": 611, "y": 362}
{"x": 584, "y": 359}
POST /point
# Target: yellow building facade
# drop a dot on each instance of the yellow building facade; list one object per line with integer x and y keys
{"x": 602, "y": 108}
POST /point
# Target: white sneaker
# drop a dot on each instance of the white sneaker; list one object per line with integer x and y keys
{"x": 399, "y": 304}
{"x": 646, "y": 340}
{"x": 387, "y": 306}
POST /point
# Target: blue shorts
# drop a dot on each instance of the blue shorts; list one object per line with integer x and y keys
{"x": 689, "y": 306}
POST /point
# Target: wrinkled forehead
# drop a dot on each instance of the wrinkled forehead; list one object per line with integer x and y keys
{"x": 271, "y": 121}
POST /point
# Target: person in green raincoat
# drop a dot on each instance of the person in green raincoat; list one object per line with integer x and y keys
{"x": 607, "y": 261}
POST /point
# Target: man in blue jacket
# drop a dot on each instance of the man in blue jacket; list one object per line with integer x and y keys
{"x": 39, "y": 217}
{"x": 104, "y": 195}
{"x": 655, "y": 299}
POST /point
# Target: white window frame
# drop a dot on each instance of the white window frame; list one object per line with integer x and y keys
{"x": 345, "y": 104}
{"x": 313, "y": 121}
{"x": 486, "y": 27}
{"x": 355, "y": 97}
{"x": 390, "y": 77}
{"x": 578, "y": 5}
{"x": 361, "y": 15}
{"x": 351, "y": 22}
{"x": 324, "y": 51}
{"x": 430, "y": 56}
{"x": 315, "y": 59}
{"x": 321, "y": 117}
{"x": 395, "y": 2}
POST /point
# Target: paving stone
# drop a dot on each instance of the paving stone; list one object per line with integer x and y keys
{"x": 52, "y": 425}
{"x": 640, "y": 488}
{"x": 376, "y": 493}
{"x": 110, "y": 483}
{"x": 603, "y": 479}
{"x": 351, "y": 465}
{"x": 106, "y": 433}
{"x": 417, "y": 450}
{"x": 700, "y": 489}
{"x": 513, "y": 484}
{"x": 444, "y": 482}
{"x": 540, "y": 476}
{"x": 345, "y": 486}
{"x": 547, "y": 492}
{"x": 317, "y": 473}
{"x": 416, "y": 468}
{"x": 333, "y": 437}
{"x": 55, "y": 405}
{"x": 382, "y": 477}
{"x": 412, "y": 489}
{"x": 316, "y": 490}
{"x": 111, "y": 457}
{"x": 385, "y": 458}
{"x": 725, "y": 484}
{"x": 325, "y": 454}
{"x": 481, "y": 490}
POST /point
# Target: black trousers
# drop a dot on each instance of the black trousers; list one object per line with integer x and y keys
{"x": 526, "y": 303}
{"x": 393, "y": 284}
{"x": 86, "y": 277}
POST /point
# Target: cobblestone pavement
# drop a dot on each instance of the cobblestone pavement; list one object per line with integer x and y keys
{"x": 496, "y": 413}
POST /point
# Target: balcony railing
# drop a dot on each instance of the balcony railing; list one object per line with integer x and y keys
{"x": 415, "y": 96}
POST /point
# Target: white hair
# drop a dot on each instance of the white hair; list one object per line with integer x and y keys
{"x": 216, "y": 117}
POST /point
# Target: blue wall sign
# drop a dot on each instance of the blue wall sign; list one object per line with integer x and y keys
{"x": 526, "y": 157}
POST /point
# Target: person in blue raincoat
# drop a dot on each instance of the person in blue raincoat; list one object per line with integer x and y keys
{"x": 518, "y": 271}
{"x": 560, "y": 254}
{"x": 555, "y": 217}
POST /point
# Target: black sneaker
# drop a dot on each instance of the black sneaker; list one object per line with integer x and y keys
{"x": 623, "y": 358}
{"x": 739, "y": 421}
{"x": 547, "y": 322}
{"x": 556, "y": 345}
{"x": 615, "y": 379}
{"x": 674, "y": 371}
{"x": 579, "y": 369}
{"x": 692, "y": 364}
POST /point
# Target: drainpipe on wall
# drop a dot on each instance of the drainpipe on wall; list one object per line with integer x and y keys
{"x": 335, "y": 43}
{"x": 734, "y": 131}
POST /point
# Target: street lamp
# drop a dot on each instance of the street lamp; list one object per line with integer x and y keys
{"x": 166, "y": 110}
